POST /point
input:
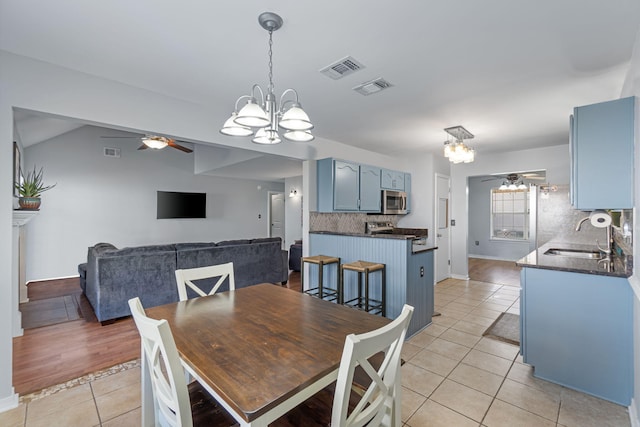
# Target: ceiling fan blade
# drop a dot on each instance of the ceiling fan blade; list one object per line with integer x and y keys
{"x": 143, "y": 147}
{"x": 120, "y": 137}
{"x": 179, "y": 147}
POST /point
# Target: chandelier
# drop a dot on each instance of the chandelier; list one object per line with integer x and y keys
{"x": 267, "y": 116}
{"x": 456, "y": 150}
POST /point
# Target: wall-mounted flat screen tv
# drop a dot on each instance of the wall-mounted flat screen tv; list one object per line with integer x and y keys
{"x": 172, "y": 204}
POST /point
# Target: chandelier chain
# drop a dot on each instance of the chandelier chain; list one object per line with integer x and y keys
{"x": 271, "y": 86}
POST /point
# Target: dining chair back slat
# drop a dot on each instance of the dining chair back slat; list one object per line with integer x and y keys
{"x": 185, "y": 279}
{"x": 379, "y": 405}
{"x": 170, "y": 394}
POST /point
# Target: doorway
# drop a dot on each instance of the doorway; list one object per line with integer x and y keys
{"x": 276, "y": 215}
{"x": 443, "y": 231}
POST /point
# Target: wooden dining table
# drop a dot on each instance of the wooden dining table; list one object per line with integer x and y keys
{"x": 260, "y": 350}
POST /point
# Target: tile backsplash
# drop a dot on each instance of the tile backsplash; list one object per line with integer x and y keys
{"x": 345, "y": 222}
{"x": 557, "y": 220}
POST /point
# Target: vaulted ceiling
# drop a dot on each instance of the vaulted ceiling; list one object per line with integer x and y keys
{"x": 509, "y": 71}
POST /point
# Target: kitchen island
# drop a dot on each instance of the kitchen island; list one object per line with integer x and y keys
{"x": 576, "y": 318}
{"x": 409, "y": 269}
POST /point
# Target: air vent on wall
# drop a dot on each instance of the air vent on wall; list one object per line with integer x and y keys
{"x": 111, "y": 152}
{"x": 342, "y": 68}
{"x": 372, "y": 86}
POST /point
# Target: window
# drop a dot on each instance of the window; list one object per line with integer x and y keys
{"x": 509, "y": 214}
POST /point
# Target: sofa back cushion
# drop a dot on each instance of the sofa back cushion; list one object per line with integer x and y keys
{"x": 253, "y": 263}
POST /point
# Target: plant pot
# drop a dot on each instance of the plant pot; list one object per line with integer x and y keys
{"x": 29, "y": 203}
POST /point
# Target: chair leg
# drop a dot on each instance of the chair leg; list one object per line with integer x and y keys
{"x": 320, "y": 271}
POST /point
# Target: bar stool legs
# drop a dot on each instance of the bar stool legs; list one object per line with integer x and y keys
{"x": 367, "y": 303}
{"x": 321, "y": 291}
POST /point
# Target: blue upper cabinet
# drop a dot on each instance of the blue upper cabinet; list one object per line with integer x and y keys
{"x": 407, "y": 189}
{"x": 347, "y": 187}
{"x": 601, "y": 146}
{"x": 369, "y": 189}
{"x": 392, "y": 180}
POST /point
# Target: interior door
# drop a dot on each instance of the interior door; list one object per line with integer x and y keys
{"x": 276, "y": 216}
{"x": 443, "y": 230}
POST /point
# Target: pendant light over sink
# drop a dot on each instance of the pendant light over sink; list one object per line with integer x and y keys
{"x": 268, "y": 116}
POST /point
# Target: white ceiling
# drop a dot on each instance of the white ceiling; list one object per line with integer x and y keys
{"x": 509, "y": 71}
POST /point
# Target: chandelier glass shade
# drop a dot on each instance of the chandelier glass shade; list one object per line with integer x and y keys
{"x": 456, "y": 150}
{"x": 262, "y": 114}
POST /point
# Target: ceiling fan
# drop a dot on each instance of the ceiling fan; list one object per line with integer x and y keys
{"x": 154, "y": 141}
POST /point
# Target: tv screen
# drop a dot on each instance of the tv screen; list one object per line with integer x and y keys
{"x": 173, "y": 204}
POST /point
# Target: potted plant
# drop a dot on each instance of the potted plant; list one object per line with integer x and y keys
{"x": 30, "y": 188}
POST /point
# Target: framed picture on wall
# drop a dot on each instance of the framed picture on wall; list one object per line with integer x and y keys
{"x": 16, "y": 168}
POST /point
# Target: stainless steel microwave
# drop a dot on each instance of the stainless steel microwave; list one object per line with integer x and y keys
{"x": 394, "y": 202}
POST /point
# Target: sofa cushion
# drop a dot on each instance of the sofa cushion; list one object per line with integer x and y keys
{"x": 234, "y": 242}
{"x": 150, "y": 249}
{"x": 194, "y": 245}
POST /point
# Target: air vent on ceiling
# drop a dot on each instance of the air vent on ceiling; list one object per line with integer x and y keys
{"x": 342, "y": 68}
{"x": 372, "y": 86}
{"x": 111, "y": 152}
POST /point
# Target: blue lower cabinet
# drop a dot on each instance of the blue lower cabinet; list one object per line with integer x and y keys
{"x": 577, "y": 331}
{"x": 409, "y": 276}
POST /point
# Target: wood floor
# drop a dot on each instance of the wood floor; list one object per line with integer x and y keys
{"x": 494, "y": 271}
{"x": 51, "y": 355}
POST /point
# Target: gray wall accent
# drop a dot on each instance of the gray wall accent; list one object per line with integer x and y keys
{"x": 103, "y": 199}
{"x": 480, "y": 225}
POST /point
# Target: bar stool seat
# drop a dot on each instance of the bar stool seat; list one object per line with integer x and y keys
{"x": 365, "y": 303}
{"x": 321, "y": 291}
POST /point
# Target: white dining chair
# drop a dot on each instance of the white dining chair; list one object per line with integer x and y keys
{"x": 173, "y": 400}
{"x": 375, "y": 399}
{"x": 185, "y": 278}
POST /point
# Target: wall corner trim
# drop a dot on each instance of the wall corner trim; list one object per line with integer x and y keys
{"x": 9, "y": 402}
{"x": 634, "y": 413}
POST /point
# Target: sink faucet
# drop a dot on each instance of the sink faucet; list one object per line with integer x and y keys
{"x": 608, "y": 249}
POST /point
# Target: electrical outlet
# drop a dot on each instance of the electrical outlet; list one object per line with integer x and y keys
{"x": 453, "y": 222}
{"x": 477, "y": 243}
{"x": 259, "y": 216}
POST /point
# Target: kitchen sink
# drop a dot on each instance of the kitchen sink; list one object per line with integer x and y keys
{"x": 575, "y": 253}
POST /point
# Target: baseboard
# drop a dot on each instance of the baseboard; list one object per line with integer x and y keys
{"x": 9, "y": 402}
{"x": 460, "y": 277}
{"x": 52, "y": 278}
{"x": 494, "y": 258}
{"x": 634, "y": 413}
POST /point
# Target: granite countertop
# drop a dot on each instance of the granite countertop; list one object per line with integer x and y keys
{"x": 537, "y": 259}
{"x": 374, "y": 236}
{"x": 416, "y": 248}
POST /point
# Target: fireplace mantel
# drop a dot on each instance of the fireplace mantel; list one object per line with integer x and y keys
{"x": 22, "y": 217}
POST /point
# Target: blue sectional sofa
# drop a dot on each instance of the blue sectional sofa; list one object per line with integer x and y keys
{"x": 113, "y": 275}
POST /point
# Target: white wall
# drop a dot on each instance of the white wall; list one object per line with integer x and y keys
{"x": 293, "y": 210}
{"x": 105, "y": 199}
{"x": 554, "y": 160}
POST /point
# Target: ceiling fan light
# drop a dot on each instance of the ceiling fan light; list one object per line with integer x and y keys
{"x": 295, "y": 119}
{"x": 266, "y": 137}
{"x": 512, "y": 187}
{"x": 252, "y": 115}
{"x": 522, "y": 186}
{"x": 156, "y": 143}
{"x": 503, "y": 186}
{"x": 231, "y": 128}
{"x": 299, "y": 136}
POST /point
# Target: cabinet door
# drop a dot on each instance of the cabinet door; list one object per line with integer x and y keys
{"x": 369, "y": 188}
{"x": 392, "y": 180}
{"x": 407, "y": 189}
{"x": 346, "y": 186}
{"x": 603, "y": 155}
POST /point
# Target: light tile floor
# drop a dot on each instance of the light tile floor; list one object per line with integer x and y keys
{"x": 453, "y": 377}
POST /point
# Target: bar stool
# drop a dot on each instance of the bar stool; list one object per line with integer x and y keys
{"x": 366, "y": 303}
{"x": 321, "y": 291}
